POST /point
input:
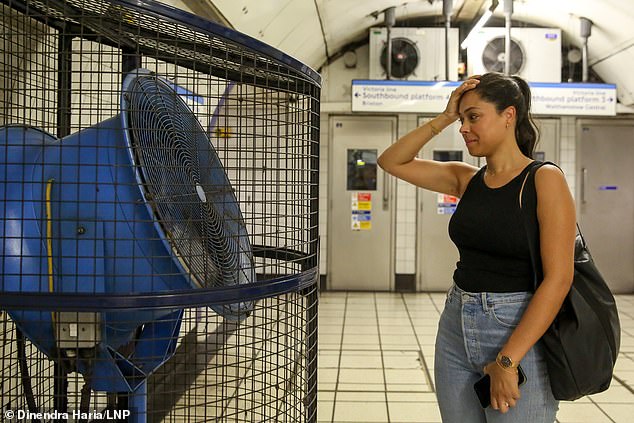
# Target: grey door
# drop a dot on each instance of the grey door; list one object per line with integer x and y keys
{"x": 360, "y": 253}
{"x": 605, "y": 198}
{"x": 437, "y": 253}
{"x": 547, "y": 149}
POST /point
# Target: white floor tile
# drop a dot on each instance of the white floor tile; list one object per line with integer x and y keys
{"x": 326, "y": 376}
{"x": 361, "y": 396}
{"x": 405, "y": 376}
{"x": 330, "y": 329}
{"x": 620, "y": 413}
{"x": 581, "y": 413}
{"x": 408, "y": 341}
{"x": 328, "y": 359}
{"x": 419, "y": 412}
{"x": 624, "y": 363}
{"x": 394, "y": 321}
{"x": 378, "y": 366}
{"x": 366, "y": 347}
{"x": 411, "y": 397}
{"x": 361, "y": 387}
{"x": 423, "y": 331}
{"x": 408, "y": 387}
{"x": 627, "y": 376}
{"x": 360, "y": 376}
{"x": 361, "y": 329}
{"x": 368, "y": 338}
{"x": 325, "y": 320}
{"x": 401, "y": 359}
{"x": 370, "y": 360}
{"x": 361, "y": 412}
{"x": 324, "y": 411}
{"x": 360, "y": 321}
{"x": 329, "y": 338}
{"x": 364, "y": 312}
{"x": 325, "y": 396}
{"x": 396, "y": 330}
{"x": 615, "y": 394}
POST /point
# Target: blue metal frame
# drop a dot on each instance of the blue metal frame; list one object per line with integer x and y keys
{"x": 161, "y": 300}
{"x": 151, "y": 7}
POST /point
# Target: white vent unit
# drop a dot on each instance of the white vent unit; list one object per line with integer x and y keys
{"x": 417, "y": 53}
{"x": 535, "y": 53}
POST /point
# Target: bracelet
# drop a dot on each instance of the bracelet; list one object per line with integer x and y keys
{"x": 507, "y": 370}
{"x": 434, "y": 130}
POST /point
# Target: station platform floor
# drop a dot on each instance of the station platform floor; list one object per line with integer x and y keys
{"x": 376, "y": 359}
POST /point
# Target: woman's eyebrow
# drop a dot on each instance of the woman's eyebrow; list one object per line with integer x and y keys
{"x": 467, "y": 110}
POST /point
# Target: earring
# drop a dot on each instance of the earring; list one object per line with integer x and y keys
{"x": 507, "y": 125}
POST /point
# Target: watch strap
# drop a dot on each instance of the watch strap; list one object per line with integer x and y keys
{"x": 506, "y": 362}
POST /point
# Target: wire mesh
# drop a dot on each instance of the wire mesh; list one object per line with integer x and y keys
{"x": 158, "y": 201}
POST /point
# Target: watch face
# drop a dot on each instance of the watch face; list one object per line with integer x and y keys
{"x": 506, "y": 361}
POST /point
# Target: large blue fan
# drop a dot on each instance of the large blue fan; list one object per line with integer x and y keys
{"x": 139, "y": 203}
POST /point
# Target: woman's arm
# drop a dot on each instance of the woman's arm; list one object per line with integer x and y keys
{"x": 557, "y": 228}
{"x": 446, "y": 177}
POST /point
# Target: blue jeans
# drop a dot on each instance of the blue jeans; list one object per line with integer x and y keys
{"x": 472, "y": 329}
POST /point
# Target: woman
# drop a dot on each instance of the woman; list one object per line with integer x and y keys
{"x": 492, "y": 320}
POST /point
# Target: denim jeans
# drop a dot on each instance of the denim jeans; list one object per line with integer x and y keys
{"x": 472, "y": 329}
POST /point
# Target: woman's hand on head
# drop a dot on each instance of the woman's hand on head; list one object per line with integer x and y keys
{"x": 505, "y": 391}
{"x": 451, "y": 111}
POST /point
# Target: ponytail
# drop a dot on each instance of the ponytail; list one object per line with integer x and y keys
{"x": 526, "y": 132}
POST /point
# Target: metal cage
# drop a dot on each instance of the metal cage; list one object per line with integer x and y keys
{"x": 159, "y": 227}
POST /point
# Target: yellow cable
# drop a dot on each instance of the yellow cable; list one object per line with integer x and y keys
{"x": 49, "y": 240}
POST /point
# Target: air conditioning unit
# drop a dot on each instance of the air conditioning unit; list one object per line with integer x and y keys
{"x": 417, "y": 53}
{"x": 535, "y": 53}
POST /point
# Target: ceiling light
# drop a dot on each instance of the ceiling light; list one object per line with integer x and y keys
{"x": 481, "y": 22}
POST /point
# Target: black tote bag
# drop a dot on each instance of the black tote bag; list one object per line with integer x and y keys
{"x": 583, "y": 341}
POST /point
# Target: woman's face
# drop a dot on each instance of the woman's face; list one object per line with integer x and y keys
{"x": 483, "y": 128}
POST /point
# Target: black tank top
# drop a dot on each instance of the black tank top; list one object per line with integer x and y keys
{"x": 488, "y": 230}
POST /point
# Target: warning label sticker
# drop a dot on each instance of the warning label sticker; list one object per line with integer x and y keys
{"x": 361, "y": 220}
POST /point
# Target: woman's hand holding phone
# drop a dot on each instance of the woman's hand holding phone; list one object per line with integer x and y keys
{"x": 499, "y": 387}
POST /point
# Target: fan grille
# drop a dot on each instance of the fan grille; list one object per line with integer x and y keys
{"x": 405, "y": 57}
{"x": 493, "y": 56}
{"x": 184, "y": 182}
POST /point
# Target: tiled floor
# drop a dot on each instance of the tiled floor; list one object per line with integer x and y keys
{"x": 376, "y": 362}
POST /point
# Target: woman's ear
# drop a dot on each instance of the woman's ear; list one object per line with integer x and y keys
{"x": 509, "y": 114}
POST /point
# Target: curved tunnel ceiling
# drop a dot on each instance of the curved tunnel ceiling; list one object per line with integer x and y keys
{"x": 315, "y": 31}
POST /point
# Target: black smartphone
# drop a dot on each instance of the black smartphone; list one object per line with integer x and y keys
{"x": 483, "y": 387}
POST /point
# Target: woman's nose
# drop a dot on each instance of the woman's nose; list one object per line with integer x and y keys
{"x": 464, "y": 127}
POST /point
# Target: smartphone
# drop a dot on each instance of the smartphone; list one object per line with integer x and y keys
{"x": 483, "y": 387}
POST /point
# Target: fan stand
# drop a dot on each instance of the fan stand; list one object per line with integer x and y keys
{"x": 137, "y": 404}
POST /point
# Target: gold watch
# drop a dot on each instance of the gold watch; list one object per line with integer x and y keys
{"x": 506, "y": 362}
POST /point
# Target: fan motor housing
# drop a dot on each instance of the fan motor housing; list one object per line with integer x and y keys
{"x": 431, "y": 52}
{"x": 82, "y": 217}
{"x": 494, "y": 56}
{"x": 538, "y": 48}
{"x": 404, "y": 58}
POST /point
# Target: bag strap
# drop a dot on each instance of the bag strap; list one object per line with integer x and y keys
{"x": 528, "y": 207}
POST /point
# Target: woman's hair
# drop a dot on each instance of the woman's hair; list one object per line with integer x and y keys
{"x": 504, "y": 91}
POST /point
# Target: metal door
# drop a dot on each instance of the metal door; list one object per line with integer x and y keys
{"x": 605, "y": 198}
{"x": 547, "y": 149}
{"x": 360, "y": 222}
{"x": 437, "y": 253}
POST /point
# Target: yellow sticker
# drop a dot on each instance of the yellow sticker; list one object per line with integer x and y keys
{"x": 223, "y": 132}
{"x": 364, "y": 205}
